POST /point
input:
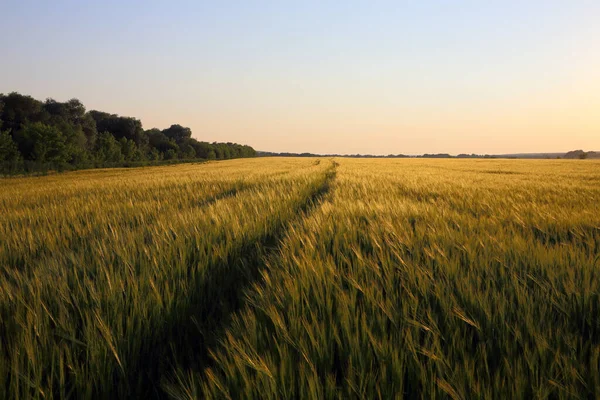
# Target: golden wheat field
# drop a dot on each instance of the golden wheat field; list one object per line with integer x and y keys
{"x": 318, "y": 278}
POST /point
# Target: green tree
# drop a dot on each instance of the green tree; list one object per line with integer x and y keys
{"x": 204, "y": 150}
{"x": 71, "y": 116}
{"x": 10, "y": 158}
{"x": 75, "y": 141}
{"x": 171, "y": 154}
{"x": 8, "y": 148}
{"x": 178, "y": 133}
{"x": 19, "y": 110}
{"x": 1, "y": 108}
{"x": 158, "y": 140}
{"x": 47, "y": 143}
{"x": 187, "y": 151}
{"x": 108, "y": 148}
{"x": 154, "y": 155}
{"x": 57, "y": 132}
{"x": 129, "y": 150}
{"x": 119, "y": 127}
{"x": 88, "y": 125}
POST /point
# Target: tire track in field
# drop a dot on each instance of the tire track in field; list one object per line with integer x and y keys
{"x": 19, "y": 269}
{"x": 244, "y": 268}
{"x": 187, "y": 337}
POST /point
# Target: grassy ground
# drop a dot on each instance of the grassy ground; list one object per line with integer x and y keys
{"x": 303, "y": 278}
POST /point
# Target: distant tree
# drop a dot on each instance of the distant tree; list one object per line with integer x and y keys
{"x": 129, "y": 150}
{"x": 1, "y": 108}
{"x": 10, "y": 158}
{"x": 154, "y": 155}
{"x": 108, "y": 148}
{"x": 158, "y": 140}
{"x": 152, "y": 132}
{"x": 45, "y": 143}
{"x": 101, "y": 118}
{"x": 170, "y": 154}
{"x": 88, "y": 126}
{"x": 218, "y": 150}
{"x": 19, "y": 110}
{"x": 202, "y": 149}
{"x": 248, "y": 151}
{"x": 9, "y": 151}
{"x": 187, "y": 151}
{"x": 575, "y": 154}
{"x": 129, "y": 128}
{"x": 63, "y": 132}
{"x": 75, "y": 141}
{"x": 56, "y": 109}
{"x": 78, "y": 126}
{"x": 75, "y": 110}
{"x": 177, "y": 133}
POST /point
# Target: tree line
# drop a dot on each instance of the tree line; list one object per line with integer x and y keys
{"x": 37, "y": 136}
{"x": 437, "y": 155}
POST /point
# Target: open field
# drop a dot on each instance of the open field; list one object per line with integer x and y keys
{"x": 303, "y": 278}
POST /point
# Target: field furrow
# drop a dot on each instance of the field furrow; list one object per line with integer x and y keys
{"x": 380, "y": 295}
{"x": 109, "y": 312}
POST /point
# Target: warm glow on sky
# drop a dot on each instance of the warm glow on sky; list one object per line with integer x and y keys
{"x": 373, "y": 77}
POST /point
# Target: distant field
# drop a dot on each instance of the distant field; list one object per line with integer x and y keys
{"x": 303, "y": 278}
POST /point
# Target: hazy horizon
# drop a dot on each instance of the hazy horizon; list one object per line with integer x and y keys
{"x": 370, "y": 78}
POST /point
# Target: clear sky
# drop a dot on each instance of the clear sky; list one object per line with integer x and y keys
{"x": 322, "y": 76}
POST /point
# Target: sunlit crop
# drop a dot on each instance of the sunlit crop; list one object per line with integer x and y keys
{"x": 303, "y": 278}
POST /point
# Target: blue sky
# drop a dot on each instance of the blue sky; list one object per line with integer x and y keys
{"x": 371, "y": 77}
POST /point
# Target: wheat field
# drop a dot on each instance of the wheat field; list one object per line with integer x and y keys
{"x": 303, "y": 278}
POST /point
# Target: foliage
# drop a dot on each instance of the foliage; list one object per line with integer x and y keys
{"x": 9, "y": 151}
{"x": 10, "y": 158}
{"x": 177, "y": 133}
{"x": 45, "y": 143}
{"x": 108, "y": 149}
{"x": 53, "y": 135}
